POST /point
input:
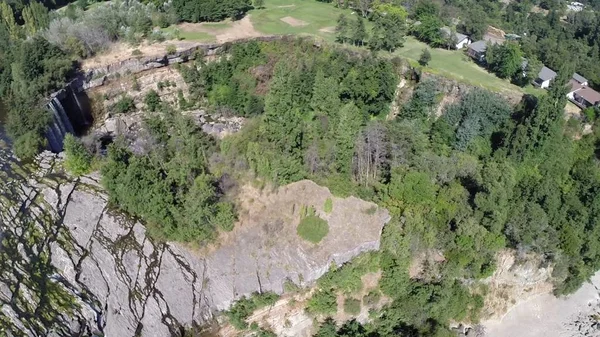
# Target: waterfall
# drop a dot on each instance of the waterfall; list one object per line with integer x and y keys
{"x": 59, "y": 127}
{"x": 61, "y": 116}
{"x": 54, "y": 143}
{"x": 84, "y": 120}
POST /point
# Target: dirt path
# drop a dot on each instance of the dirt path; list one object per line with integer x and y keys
{"x": 235, "y": 30}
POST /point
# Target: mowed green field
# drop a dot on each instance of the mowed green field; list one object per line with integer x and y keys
{"x": 457, "y": 65}
{"x": 316, "y": 18}
{"x": 190, "y": 35}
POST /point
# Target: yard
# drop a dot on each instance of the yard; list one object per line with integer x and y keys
{"x": 312, "y": 17}
{"x": 455, "y": 64}
{"x": 297, "y": 17}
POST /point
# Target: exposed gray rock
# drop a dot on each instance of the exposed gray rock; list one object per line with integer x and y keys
{"x": 112, "y": 279}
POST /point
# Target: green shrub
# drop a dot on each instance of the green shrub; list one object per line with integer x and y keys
{"x": 245, "y": 306}
{"x": 225, "y": 217}
{"x": 313, "y": 229}
{"x": 590, "y": 114}
{"x": 371, "y": 210}
{"x": 290, "y": 287}
{"x": 323, "y": 302}
{"x": 372, "y": 298}
{"x": 171, "y": 49}
{"x": 135, "y": 85}
{"x": 136, "y": 53}
{"x": 152, "y": 100}
{"x": 78, "y": 160}
{"x": 347, "y": 278}
{"x": 124, "y": 105}
{"x": 352, "y": 306}
{"x": 328, "y": 207}
{"x": 28, "y": 145}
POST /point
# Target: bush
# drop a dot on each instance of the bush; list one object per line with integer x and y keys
{"x": 328, "y": 207}
{"x": 171, "y": 49}
{"x": 352, "y": 306}
{"x": 152, "y": 100}
{"x": 323, "y": 302}
{"x": 347, "y": 278}
{"x": 245, "y": 306}
{"x": 425, "y": 57}
{"x": 590, "y": 114}
{"x": 78, "y": 160}
{"x": 124, "y": 105}
{"x": 372, "y": 298}
{"x": 313, "y": 229}
{"x": 28, "y": 145}
{"x": 224, "y": 217}
{"x": 290, "y": 287}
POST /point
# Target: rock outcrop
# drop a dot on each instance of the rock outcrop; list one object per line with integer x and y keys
{"x": 71, "y": 265}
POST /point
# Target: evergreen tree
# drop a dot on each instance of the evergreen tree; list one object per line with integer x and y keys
{"x": 359, "y": 33}
{"x": 388, "y": 29}
{"x": 36, "y": 18}
{"x": 325, "y": 100}
{"x": 351, "y": 120}
{"x": 8, "y": 17}
{"x": 342, "y": 29}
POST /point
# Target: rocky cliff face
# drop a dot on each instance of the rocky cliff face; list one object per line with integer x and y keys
{"x": 71, "y": 265}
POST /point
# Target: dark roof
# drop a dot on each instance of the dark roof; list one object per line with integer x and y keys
{"x": 579, "y": 78}
{"x": 478, "y": 46}
{"x": 546, "y": 74}
{"x": 589, "y": 94}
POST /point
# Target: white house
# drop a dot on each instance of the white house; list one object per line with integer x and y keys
{"x": 582, "y": 95}
{"x": 463, "y": 41}
{"x": 575, "y": 6}
{"x": 545, "y": 76}
{"x": 459, "y": 40}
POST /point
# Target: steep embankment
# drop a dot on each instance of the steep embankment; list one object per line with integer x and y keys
{"x": 84, "y": 268}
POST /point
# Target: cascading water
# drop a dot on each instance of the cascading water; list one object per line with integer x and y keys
{"x": 82, "y": 114}
{"x": 59, "y": 127}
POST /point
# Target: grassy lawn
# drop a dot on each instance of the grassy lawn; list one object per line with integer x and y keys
{"x": 313, "y": 15}
{"x": 456, "y": 65}
{"x": 191, "y": 36}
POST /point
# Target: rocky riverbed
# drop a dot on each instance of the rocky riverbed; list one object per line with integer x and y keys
{"x": 71, "y": 265}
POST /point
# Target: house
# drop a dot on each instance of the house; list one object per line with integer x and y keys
{"x": 544, "y": 77}
{"x": 476, "y": 50}
{"x": 582, "y": 95}
{"x": 463, "y": 41}
{"x": 575, "y": 6}
{"x": 459, "y": 41}
{"x": 580, "y": 79}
